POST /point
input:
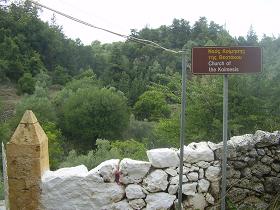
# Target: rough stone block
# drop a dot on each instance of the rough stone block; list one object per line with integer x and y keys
{"x": 137, "y": 203}
{"x": 163, "y": 158}
{"x": 107, "y": 169}
{"x": 237, "y": 194}
{"x": 213, "y": 173}
{"x": 196, "y": 152}
{"x": 264, "y": 139}
{"x": 134, "y": 191}
{"x": 196, "y": 201}
{"x": 272, "y": 184}
{"x": 159, "y": 200}
{"x": 260, "y": 169}
{"x": 133, "y": 171}
{"x": 189, "y": 188}
{"x": 203, "y": 185}
{"x": 156, "y": 181}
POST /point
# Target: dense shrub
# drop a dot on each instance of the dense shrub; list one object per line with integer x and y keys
{"x": 26, "y": 84}
{"x": 106, "y": 150}
{"x": 56, "y": 153}
{"x": 60, "y": 76}
{"x": 167, "y": 132}
{"x": 39, "y": 104}
{"x": 129, "y": 149}
{"x": 152, "y": 106}
{"x": 138, "y": 129}
{"x": 93, "y": 113}
{"x": 5, "y": 132}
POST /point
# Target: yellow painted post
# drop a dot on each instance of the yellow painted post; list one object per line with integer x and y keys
{"x": 27, "y": 160}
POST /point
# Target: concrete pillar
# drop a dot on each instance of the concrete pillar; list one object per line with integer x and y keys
{"x": 27, "y": 160}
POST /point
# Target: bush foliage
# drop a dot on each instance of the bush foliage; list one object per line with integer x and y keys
{"x": 93, "y": 113}
{"x": 151, "y": 106}
{"x": 106, "y": 150}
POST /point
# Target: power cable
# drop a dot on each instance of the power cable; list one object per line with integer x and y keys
{"x": 102, "y": 20}
{"x": 77, "y": 20}
{"x": 128, "y": 37}
{"x": 153, "y": 44}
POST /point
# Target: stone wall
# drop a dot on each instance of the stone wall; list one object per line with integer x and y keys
{"x": 253, "y": 178}
{"x": 254, "y": 169}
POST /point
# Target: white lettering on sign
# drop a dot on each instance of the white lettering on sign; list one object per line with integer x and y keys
{"x": 216, "y": 63}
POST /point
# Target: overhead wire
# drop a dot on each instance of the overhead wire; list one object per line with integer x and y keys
{"x": 128, "y": 37}
{"x": 77, "y": 20}
{"x": 154, "y": 44}
{"x": 103, "y": 21}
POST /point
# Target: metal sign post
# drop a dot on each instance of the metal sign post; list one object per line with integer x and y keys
{"x": 225, "y": 61}
{"x": 225, "y": 138}
{"x": 5, "y": 177}
{"x": 182, "y": 129}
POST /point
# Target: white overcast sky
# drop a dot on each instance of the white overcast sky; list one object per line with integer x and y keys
{"x": 122, "y": 15}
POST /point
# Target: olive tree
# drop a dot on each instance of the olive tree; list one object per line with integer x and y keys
{"x": 93, "y": 113}
{"x": 152, "y": 106}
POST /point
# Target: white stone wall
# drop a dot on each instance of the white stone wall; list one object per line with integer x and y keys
{"x": 253, "y": 175}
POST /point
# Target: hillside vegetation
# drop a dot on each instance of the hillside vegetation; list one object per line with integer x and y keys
{"x": 126, "y": 92}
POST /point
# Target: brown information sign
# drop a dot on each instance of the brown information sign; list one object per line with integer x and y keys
{"x": 226, "y": 60}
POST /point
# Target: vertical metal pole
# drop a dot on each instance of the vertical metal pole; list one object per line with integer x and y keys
{"x": 225, "y": 138}
{"x": 182, "y": 129}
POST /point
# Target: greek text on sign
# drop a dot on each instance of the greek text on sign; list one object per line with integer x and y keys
{"x": 226, "y": 60}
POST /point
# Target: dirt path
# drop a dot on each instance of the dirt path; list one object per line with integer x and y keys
{"x": 8, "y": 96}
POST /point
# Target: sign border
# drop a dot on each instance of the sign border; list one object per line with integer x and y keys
{"x": 229, "y": 73}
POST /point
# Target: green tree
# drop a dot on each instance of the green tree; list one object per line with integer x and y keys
{"x": 86, "y": 73}
{"x": 9, "y": 54}
{"x": 225, "y": 39}
{"x": 138, "y": 86}
{"x": 72, "y": 87}
{"x": 42, "y": 80}
{"x": 3, "y": 70}
{"x": 169, "y": 85}
{"x": 140, "y": 131}
{"x": 26, "y": 84}
{"x": 60, "y": 76}
{"x": 56, "y": 152}
{"x": 180, "y": 32}
{"x": 5, "y": 131}
{"x": 93, "y": 113}
{"x": 167, "y": 133}
{"x": 40, "y": 104}
{"x": 252, "y": 38}
{"x": 152, "y": 106}
{"x": 204, "y": 109}
{"x": 200, "y": 31}
{"x": 35, "y": 64}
